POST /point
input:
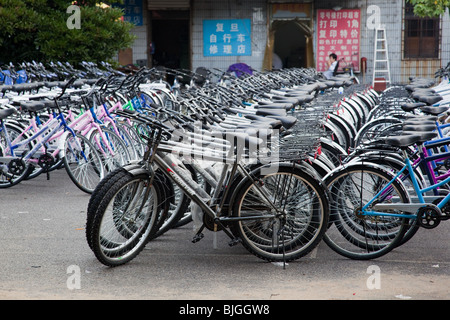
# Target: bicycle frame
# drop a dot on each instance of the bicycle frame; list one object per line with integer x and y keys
{"x": 159, "y": 155}
{"x": 55, "y": 125}
{"x": 87, "y": 126}
{"x": 411, "y": 207}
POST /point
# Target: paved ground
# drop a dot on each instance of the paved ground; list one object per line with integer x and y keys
{"x": 45, "y": 256}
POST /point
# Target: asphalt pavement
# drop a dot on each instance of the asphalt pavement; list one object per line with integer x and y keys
{"x": 45, "y": 256}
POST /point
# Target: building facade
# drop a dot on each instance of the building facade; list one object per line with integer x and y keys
{"x": 189, "y": 34}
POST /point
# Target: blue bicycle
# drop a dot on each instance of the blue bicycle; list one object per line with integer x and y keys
{"x": 371, "y": 209}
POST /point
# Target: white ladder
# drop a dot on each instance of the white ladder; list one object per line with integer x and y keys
{"x": 381, "y": 70}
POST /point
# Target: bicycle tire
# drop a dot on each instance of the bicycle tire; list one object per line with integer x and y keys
{"x": 121, "y": 217}
{"x": 137, "y": 141}
{"x": 301, "y": 227}
{"x": 84, "y": 166}
{"x": 177, "y": 202}
{"x": 128, "y": 140}
{"x": 333, "y": 151}
{"x": 362, "y": 237}
{"x": 120, "y": 155}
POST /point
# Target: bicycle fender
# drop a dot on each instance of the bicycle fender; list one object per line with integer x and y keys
{"x": 236, "y": 185}
{"x": 136, "y": 169}
{"x": 61, "y": 144}
{"x": 347, "y": 166}
{"x": 356, "y": 163}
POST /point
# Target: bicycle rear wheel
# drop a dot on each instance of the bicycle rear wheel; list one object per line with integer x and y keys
{"x": 123, "y": 217}
{"x": 82, "y": 163}
{"x": 289, "y": 222}
{"x": 355, "y": 235}
{"x": 14, "y": 171}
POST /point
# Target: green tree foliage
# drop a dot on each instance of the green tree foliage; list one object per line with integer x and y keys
{"x": 429, "y": 8}
{"x": 37, "y": 30}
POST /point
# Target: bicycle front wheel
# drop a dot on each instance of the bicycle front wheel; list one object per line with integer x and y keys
{"x": 351, "y": 232}
{"x": 284, "y": 215}
{"x": 82, "y": 163}
{"x": 121, "y": 217}
{"x": 111, "y": 147}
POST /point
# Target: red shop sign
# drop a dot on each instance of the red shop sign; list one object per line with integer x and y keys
{"x": 339, "y": 32}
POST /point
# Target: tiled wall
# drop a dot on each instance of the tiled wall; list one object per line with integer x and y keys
{"x": 140, "y": 46}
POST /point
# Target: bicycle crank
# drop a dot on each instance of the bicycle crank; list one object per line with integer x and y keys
{"x": 429, "y": 217}
{"x": 46, "y": 161}
{"x": 16, "y": 167}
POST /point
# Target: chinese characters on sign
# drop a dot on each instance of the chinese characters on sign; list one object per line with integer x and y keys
{"x": 338, "y": 32}
{"x": 227, "y": 38}
{"x": 132, "y": 11}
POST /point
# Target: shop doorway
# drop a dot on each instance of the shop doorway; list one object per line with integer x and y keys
{"x": 170, "y": 39}
{"x": 290, "y": 36}
{"x": 290, "y": 44}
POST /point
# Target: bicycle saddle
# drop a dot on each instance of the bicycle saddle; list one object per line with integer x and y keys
{"x": 52, "y": 105}
{"x": 322, "y": 85}
{"x": 406, "y": 140}
{"x": 262, "y": 122}
{"x": 5, "y": 88}
{"x": 4, "y": 113}
{"x": 430, "y": 100}
{"x": 249, "y": 139}
{"x": 301, "y": 97}
{"x": 425, "y": 136}
{"x": 434, "y": 110}
{"x": 411, "y": 106}
{"x": 287, "y": 121}
{"x": 27, "y": 86}
{"x": 32, "y": 106}
{"x": 52, "y": 84}
{"x": 270, "y": 112}
{"x": 271, "y": 105}
{"x": 419, "y": 127}
{"x": 338, "y": 83}
{"x": 304, "y": 89}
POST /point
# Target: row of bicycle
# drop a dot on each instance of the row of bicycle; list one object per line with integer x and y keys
{"x": 258, "y": 182}
{"x": 40, "y": 120}
{"x": 278, "y": 161}
{"x": 233, "y": 153}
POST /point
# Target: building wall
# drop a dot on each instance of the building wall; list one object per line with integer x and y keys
{"x": 391, "y": 15}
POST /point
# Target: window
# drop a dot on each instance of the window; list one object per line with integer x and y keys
{"x": 421, "y": 36}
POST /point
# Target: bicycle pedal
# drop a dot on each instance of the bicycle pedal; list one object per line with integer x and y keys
{"x": 234, "y": 242}
{"x": 198, "y": 237}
